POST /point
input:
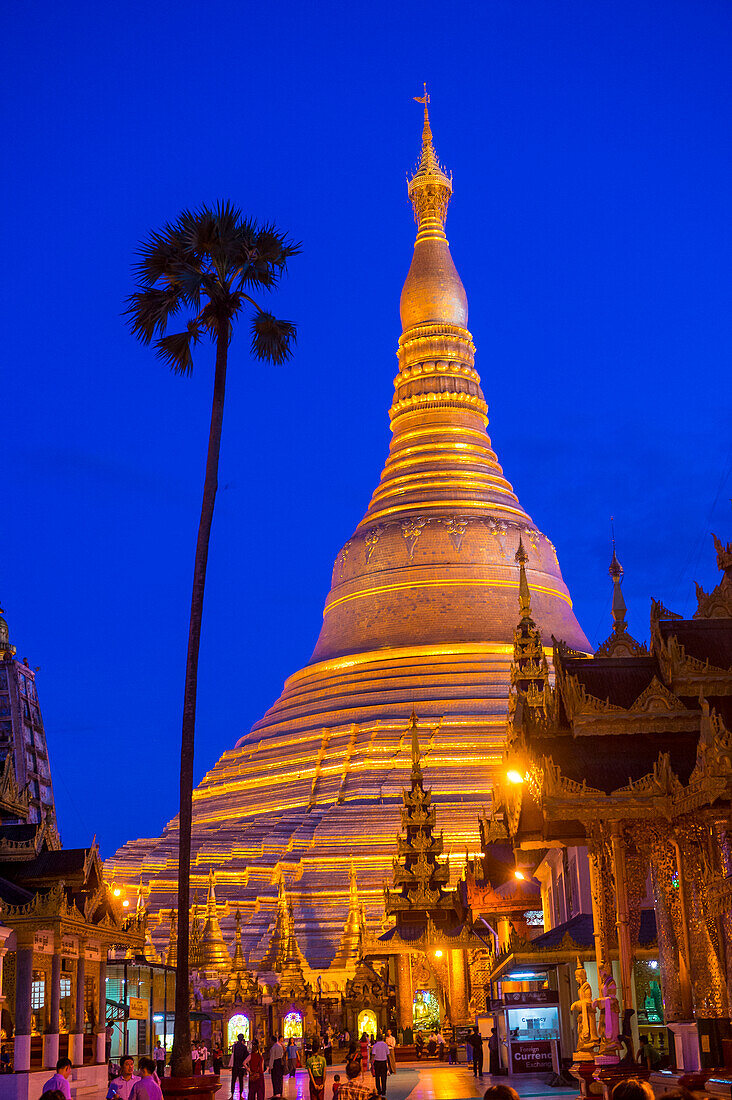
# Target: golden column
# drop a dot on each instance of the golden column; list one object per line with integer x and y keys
{"x": 405, "y": 994}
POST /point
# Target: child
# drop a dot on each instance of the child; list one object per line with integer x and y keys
{"x": 336, "y": 1084}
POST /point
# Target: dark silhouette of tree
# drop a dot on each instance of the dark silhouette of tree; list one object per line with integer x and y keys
{"x": 205, "y": 266}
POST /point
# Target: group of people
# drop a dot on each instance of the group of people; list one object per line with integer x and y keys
{"x": 128, "y": 1085}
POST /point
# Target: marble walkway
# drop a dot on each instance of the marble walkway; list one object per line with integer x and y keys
{"x": 421, "y": 1081}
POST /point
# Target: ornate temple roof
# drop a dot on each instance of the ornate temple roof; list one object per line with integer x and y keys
{"x": 627, "y": 732}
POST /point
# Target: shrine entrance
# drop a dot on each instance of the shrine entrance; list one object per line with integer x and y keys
{"x": 425, "y": 1010}
{"x": 238, "y": 1025}
{"x": 368, "y": 1023}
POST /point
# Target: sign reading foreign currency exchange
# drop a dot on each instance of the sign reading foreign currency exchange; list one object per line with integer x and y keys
{"x": 531, "y": 1057}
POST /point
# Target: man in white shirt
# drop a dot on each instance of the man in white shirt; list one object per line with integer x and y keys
{"x": 159, "y": 1059}
{"x": 60, "y": 1079}
{"x": 380, "y": 1062}
{"x": 126, "y": 1079}
{"x": 277, "y": 1066}
{"x": 391, "y": 1043}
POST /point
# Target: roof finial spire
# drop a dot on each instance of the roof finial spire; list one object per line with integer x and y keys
{"x": 524, "y": 594}
{"x": 430, "y": 187}
{"x": 616, "y": 572}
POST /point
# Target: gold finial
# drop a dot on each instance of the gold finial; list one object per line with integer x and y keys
{"x": 616, "y": 572}
{"x": 521, "y": 557}
{"x": 430, "y": 187}
{"x": 425, "y": 99}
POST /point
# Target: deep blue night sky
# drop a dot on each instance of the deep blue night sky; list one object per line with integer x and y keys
{"x": 590, "y": 146}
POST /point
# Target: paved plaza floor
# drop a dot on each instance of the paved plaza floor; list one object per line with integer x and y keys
{"x": 419, "y": 1081}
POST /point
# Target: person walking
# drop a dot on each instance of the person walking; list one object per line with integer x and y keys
{"x": 159, "y": 1059}
{"x": 391, "y": 1043}
{"x": 146, "y": 1086}
{"x": 217, "y": 1058}
{"x": 291, "y": 1055}
{"x": 254, "y": 1063}
{"x": 476, "y": 1041}
{"x": 239, "y": 1054}
{"x": 277, "y": 1066}
{"x": 380, "y": 1062}
{"x": 364, "y": 1044}
{"x": 316, "y": 1072}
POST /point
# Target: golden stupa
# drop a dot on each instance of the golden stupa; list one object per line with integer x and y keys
{"x": 421, "y": 612}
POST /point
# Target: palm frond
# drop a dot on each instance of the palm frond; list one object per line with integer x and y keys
{"x": 148, "y": 310}
{"x": 272, "y": 339}
{"x": 175, "y": 349}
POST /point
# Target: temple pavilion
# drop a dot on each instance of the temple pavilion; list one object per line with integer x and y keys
{"x": 617, "y": 787}
{"x": 421, "y": 613}
{"x": 59, "y": 920}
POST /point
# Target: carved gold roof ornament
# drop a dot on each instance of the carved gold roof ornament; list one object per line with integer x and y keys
{"x": 13, "y": 800}
{"x": 530, "y": 693}
{"x": 717, "y": 604}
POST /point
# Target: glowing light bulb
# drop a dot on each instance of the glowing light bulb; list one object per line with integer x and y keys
{"x": 519, "y": 875}
{"x": 438, "y": 954}
{"x": 125, "y": 903}
{"x": 514, "y": 777}
{"x": 117, "y": 892}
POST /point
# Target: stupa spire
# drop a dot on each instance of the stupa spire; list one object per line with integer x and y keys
{"x": 214, "y": 954}
{"x": 349, "y": 950}
{"x": 618, "y": 606}
{"x": 521, "y": 557}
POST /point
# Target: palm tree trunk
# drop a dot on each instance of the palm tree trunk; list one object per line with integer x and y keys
{"x": 180, "y": 1062}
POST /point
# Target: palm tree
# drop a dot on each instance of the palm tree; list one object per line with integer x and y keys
{"x": 204, "y": 265}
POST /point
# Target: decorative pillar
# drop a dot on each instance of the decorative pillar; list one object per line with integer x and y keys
{"x": 724, "y": 855}
{"x": 672, "y": 945}
{"x": 599, "y": 873}
{"x": 76, "y": 1038}
{"x": 708, "y": 981}
{"x": 102, "y": 1008}
{"x": 50, "y": 1037}
{"x": 23, "y": 981}
{"x": 456, "y": 961}
{"x": 404, "y": 991}
{"x": 622, "y": 923}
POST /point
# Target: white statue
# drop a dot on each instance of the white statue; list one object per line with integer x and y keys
{"x": 609, "y": 1023}
{"x": 584, "y": 1009}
